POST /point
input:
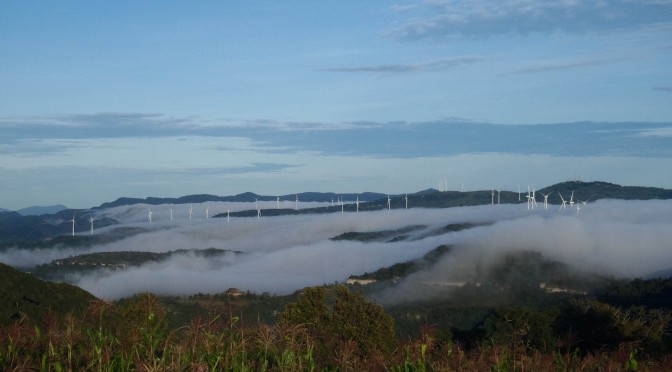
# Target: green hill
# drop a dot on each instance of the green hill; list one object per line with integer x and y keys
{"x": 22, "y": 293}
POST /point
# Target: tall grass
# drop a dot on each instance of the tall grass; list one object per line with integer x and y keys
{"x": 136, "y": 338}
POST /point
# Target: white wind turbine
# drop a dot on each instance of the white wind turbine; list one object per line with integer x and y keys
{"x": 228, "y": 212}
{"x": 571, "y": 200}
{"x": 207, "y": 212}
{"x": 545, "y": 199}
{"x": 389, "y": 202}
{"x": 406, "y": 200}
{"x": 528, "y": 196}
{"x": 278, "y": 202}
{"x": 518, "y": 192}
{"x": 564, "y": 203}
{"x": 498, "y": 198}
{"x": 91, "y": 220}
{"x": 191, "y": 210}
{"x": 534, "y": 198}
{"x": 493, "y": 197}
{"x": 73, "y": 223}
{"x": 171, "y": 214}
{"x": 357, "y": 202}
{"x": 296, "y": 206}
{"x": 341, "y": 201}
{"x": 149, "y": 215}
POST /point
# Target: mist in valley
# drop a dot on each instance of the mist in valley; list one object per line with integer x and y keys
{"x": 279, "y": 255}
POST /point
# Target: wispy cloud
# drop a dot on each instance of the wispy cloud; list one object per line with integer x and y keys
{"x": 559, "y": 66}
{"x": 663, "y": 88}
{"x": 482, "y": 18}
{"x": 431, "y": 66}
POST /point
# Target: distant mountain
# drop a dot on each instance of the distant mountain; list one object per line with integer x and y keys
{"x": 4, "y": 210}
{"x": 39, "y": 210}
{"x": 591, "y": 191}
{"x": 24, "y": 294}
{"x": 246, "y": 197}
{"x": 16, "y": 229}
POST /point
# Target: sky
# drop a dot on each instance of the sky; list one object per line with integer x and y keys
{"x": 100, "y": 100}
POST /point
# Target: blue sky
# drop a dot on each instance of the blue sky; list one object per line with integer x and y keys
{"x": 106, "y": 99}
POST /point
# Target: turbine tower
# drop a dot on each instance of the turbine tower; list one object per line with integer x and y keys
{"x": 73, "y": 224}
{"x": 357, "y": 202}
{"x": 191, "y": 210}
{"x": 207, "y": 212}
{"x": 493, "y": 198}
{"x": 91, "y": 220}
{"x": 389, "y": 202}
{"x": 171, "y": 214}
{"x": 498, "y": 198}
{"x": 341, "y": 201}
{"x": 227, "y": 215}
{"x": 406, "y": 200}
{"x": 149, "y": 215}
{"x": 278, "y": 202}
{"x": 296, "y": 206}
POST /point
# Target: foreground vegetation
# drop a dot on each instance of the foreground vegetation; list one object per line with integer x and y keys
{"x": 335, "y": 328}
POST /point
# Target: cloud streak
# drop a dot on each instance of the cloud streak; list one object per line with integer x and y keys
{"x": 431, "y": 66}
{"x": 561, "y": 66}
{"x": 483, "y": 18}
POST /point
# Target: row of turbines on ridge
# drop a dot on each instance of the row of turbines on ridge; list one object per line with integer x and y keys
{"x": 531, "y": 204}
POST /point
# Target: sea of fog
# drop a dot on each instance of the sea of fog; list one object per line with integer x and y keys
{"x": 283, "y": 254}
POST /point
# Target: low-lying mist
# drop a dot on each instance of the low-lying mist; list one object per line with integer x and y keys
{"x": 284, "y": 254}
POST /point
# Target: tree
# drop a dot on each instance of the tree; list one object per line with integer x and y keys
{"x": 352, "y": 319}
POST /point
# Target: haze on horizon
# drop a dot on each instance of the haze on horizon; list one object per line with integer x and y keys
{"x": 104, "y": 100}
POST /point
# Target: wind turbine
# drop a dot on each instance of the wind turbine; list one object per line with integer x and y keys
{"x": 357, "y": 202}
{"x": 227, "y": 215}
{"x": 534, "y": 198}
{"x": 73, "y": 223}
{"x": 493, "y": 197}
{"x": 406, "y": 200}
{"x": 256, "y": 203}
{"x": 528, "y": 196}
{"x": 207, "y": 212}
{"x": 149, "y": 215}
{"x": 258, "y": 213}
{"x": 498, "y": 199}
{"x": 545, "y": 199}
{"x": 171, "y": 214}
{"x": 297, "y": 202}
{"x": 278, "y": 201}
{"x": 518, "y": 192}
{"x": 191, "y": 210}
{"x": 564, "y": 203}
{"x": 91, "y": 220}
{"x": 571, "y": 200}
{"x": 389, "y": 202}
{"x": 341, "y": 201}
